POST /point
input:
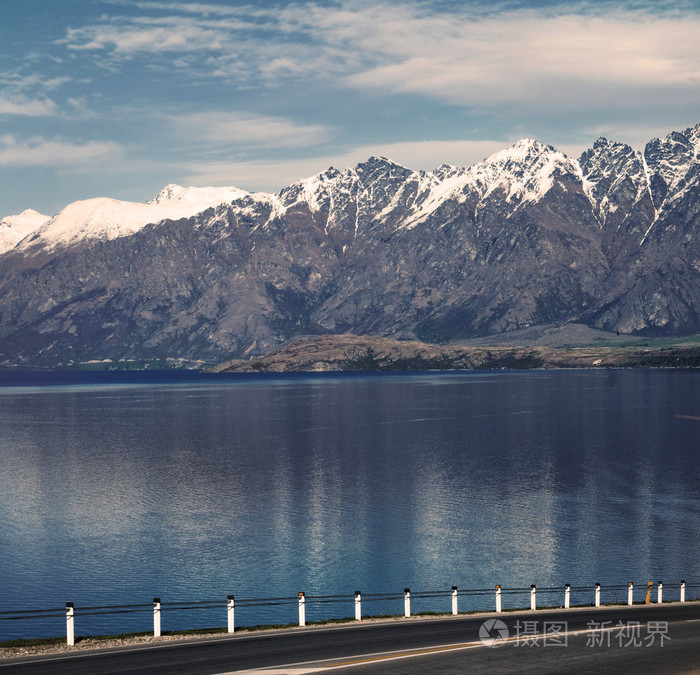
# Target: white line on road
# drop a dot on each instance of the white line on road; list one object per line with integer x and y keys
{"x": 336, "y": 664}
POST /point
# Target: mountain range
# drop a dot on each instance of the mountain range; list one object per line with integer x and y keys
{"x": 529, "y": 236}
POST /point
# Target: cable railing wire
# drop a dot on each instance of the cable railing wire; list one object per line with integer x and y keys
{"x": 578, "y": 591}
{"x": 31, "y": 611}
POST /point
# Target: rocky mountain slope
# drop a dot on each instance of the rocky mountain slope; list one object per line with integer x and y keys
{"x": 528, "y": 236}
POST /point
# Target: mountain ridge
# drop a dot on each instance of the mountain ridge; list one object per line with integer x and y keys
{"x": 528, "y": 236}
{"x": 485, "y": 174}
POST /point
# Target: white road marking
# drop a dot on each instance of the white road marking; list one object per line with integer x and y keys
{"x": 337, "y": 664}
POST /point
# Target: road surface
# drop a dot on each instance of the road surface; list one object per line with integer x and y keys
{"x": 650, "y": 639}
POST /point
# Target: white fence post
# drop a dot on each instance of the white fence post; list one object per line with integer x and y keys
{"x": 302, "y": 609}
{"x": 156, "y": 617}
{"x": 70, "y": 607}
{"x": 230, "y": 610}
{"x": 70, "y": 629}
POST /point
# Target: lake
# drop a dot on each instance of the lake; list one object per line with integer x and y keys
{"x": 117, "y": 488}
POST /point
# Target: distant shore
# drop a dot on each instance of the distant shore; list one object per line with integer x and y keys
{"x": 348, "y": 353}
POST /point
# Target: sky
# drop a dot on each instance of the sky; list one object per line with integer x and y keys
{"x": 117, "y": 98}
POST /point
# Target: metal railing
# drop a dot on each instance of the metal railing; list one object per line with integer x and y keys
{"x": 555, "y": 596}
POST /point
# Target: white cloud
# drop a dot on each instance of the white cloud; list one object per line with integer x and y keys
{"x": 616, "y": 54}
{"x": 249, "y": 130}
{"x": 532, "y": 57}
{"x": 127, "y": 36}
{"x": 27, "y": 107}
{"x": 41, "y": 152}
{"x": 204, "y": 9}
{"x": 19, "y": 82}
{"x": 24, "y": 95}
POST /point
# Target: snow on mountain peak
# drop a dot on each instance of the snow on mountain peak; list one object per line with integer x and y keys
{"x": 104, "y": 218}
{"x": 525, "y": 171}
{"x": 29, "y": 218}
{"x": 312, "y": 191}
{"x": 167, "y": 193}
{"x": 15, "y": 228}
{"x": 613, "y": 173}
{"x": 524, "y": 151}
{"x": 693, "y": 135}
{"x": 208, "y": 196}
{"x": 669, "y": 160}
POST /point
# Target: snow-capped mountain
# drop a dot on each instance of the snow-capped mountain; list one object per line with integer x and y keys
{"x": 528, "y": 236}
{"x": 104, "y": 218}
{"x": 14, "y": 228}
{"x": 669, "y": 161}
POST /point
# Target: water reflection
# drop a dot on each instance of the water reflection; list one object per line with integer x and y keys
{"x": 119, "y": 494}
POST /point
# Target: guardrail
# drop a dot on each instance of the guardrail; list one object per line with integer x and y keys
{"x": 556, "y": 593}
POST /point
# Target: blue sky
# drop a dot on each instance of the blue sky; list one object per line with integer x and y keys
{"x": 120, "y": 97}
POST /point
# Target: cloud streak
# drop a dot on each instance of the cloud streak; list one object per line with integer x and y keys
{"x": 248, "y": 130}
{"x": 42, "y": 152}
{"x": 25, "y": 95}
{"x": 26, "y": 107}
{"x": 128, "y": 36}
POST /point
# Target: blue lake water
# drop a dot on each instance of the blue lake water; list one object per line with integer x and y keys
{"x": 116, "y": 488}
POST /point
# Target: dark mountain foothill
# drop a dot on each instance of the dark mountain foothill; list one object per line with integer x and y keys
{"x": 529, "y": 237}
{"x": 352, "y": 353}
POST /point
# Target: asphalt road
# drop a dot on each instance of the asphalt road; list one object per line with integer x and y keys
{"x": 648, "y": 639}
